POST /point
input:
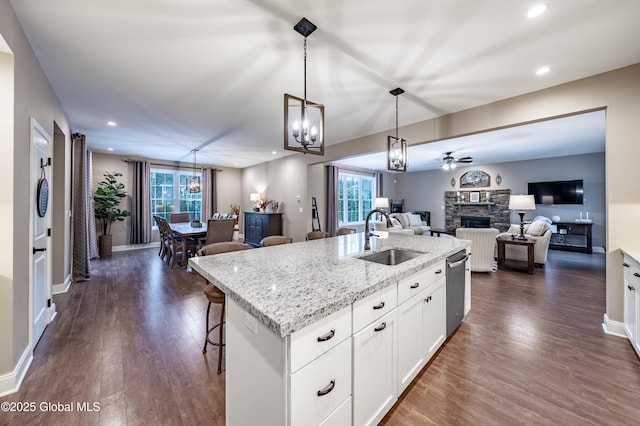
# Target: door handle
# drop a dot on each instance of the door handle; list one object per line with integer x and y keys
{"x": 35, "y": 250}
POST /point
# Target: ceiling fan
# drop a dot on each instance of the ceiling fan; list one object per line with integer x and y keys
{"x": 449, "y": 163}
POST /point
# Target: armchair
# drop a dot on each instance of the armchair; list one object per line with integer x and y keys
{"x": 538, "y": 230}
{"x": 483, "y": 247}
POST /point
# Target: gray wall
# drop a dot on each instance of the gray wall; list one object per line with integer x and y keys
{"x": 425, "y": 190}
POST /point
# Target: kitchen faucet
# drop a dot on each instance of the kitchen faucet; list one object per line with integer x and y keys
{"x": 367, "y": 232}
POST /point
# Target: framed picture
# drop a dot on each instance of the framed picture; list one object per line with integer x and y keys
{"x": 475, "y": 179}
{"x": 474, "y": 197}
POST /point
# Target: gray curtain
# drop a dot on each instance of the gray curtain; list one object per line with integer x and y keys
{"x": 85, "y": 246}
{"x": 379, "y": 182}
{"x": 141, "y": 203}
{"x": 332, "y": 200}
{"x": 209, "y": 202}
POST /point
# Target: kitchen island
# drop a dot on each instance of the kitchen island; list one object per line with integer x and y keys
{"x": 316, "y": 335}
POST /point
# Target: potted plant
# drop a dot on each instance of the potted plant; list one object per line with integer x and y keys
{"x": 106, "y": 200}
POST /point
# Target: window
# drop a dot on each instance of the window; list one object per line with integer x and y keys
{"x": 356, "y": 197}
{"x": 170, "y": 194}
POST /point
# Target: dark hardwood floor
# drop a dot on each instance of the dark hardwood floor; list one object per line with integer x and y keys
{"x": 532, "y": 351}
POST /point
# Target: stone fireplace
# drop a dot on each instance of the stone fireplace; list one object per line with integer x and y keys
{"x": 495, "y": 208}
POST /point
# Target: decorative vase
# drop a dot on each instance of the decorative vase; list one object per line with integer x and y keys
{"x": 104, "y": 245}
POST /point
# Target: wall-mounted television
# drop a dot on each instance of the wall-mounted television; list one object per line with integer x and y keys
{"x": 557, "y": 192}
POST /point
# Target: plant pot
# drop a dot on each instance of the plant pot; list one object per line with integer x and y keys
{"x": 104, "y": 245}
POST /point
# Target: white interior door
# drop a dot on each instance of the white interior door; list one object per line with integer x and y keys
{"x": 41, "y": 308}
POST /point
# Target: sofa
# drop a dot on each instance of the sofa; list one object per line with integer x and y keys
{"x": 483, "y": 247}
{"x": 539, "y": 229}
{"x": 411, "y": 221}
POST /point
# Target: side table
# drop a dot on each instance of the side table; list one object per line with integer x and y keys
{"x": 515, "y": 264}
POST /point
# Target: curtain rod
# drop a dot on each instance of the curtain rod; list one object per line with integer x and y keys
{"x": 172, "y": 166}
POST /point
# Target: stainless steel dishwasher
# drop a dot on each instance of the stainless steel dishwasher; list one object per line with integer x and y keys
{"x": 455, "y": 289}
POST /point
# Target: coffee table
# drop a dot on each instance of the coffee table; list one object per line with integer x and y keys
{"x": 438, "y": 231}
{"x": 515, "y": 264}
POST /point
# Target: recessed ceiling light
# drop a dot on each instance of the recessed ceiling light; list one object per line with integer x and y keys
{"x": 543, "y": 70}
{"x": 537, "y": 10}
{"x": 111, "y": 123}
{"x": 109, "y": 149}
{"x": 274, "y": 152}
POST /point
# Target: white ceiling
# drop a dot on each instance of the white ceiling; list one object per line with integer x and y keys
{"x": 572, "y": 135}
{"x": 210, "y": 74}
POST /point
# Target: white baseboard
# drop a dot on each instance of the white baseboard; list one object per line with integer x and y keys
{"x": 127, "y": 247}
{"x": 62, "y": 288}
{"x": 615, "y": 328}
{"x": 10, "y": 383}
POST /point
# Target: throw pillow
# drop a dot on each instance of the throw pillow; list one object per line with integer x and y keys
{"x": 414, "y": 219}
{"x": 402, "y": 218}
{"x": 537, "y": 228}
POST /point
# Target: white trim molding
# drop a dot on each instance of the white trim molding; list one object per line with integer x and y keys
{"x": 10, "y": 383}
{"x": 615, "y": 328}
{"x": 64, "y": 287}
{"x": 127, "y": 247}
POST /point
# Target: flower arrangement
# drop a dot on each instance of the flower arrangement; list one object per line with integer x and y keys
{"x": 262, "y": 204}
{"x": 235, "y": 209}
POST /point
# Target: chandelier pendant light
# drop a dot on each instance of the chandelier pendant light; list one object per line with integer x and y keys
{"x": 194, "y": 182}
{"x": 303, "y": 119}
{"x": 396, "y": 146}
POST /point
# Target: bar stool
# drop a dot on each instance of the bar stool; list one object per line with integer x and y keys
{"x": 217, "y": 297}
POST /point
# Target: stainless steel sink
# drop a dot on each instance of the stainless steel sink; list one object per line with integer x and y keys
{"x": 392, "y": 256}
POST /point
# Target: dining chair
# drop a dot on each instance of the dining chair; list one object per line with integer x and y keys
{"x": 161, "y": 233}
{"x": 179, "y": 217}
{"x": 275, "y": 240}
{"x": 215, "y": 216}
{"x": 316, "y": 235}
{"x": 345, "y": 231}
{"x": 174, "y": 245}
{"x": 216, "y": 296}
{"x": 219, "y": 230}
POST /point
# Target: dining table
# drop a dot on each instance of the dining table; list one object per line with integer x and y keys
{"x": 186, "y": 230}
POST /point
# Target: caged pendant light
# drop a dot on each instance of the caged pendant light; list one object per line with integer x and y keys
{"x": 194, "y": 181}
{"x": 396, "y": 146}
{"x": 303, "y": 119}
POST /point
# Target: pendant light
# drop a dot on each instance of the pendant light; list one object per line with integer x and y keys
{"x": 194, "y": 182}
{"x": 303, "y": 119}
{"x": 396, "y": 146}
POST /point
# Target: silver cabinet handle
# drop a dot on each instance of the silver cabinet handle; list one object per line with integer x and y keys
{"x": 327, "y": 336}
{"x": 327, "y": 389}
{"x": 416, "y": 285}
{"x": 381, "y": 327}
{"x": 379, "y": 305}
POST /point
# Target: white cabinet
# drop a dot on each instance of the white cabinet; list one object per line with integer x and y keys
{"x": 421, "y": 322}
{"x": 467, "y": 286}
{"x": 374, "y": 370}
{"x": 632, "y": 300}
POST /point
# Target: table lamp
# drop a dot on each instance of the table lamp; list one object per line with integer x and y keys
{"x": 256, "y": 197}
{"x": 382, "y": 203}
{"x": 521, "y": 203}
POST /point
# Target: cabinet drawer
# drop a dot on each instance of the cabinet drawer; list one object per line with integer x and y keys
{"x": 319, "y": 388}
{"x": 631, "y": 271}
{"x": 374, "y": 306}
{"x": 412, "y": 285}
{"x": 340, "y": 417}
{"x": 314, "y": 340}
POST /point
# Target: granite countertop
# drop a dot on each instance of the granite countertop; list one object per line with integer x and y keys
{"x": 290, "y": 286}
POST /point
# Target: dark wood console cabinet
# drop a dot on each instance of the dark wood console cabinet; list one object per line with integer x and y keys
{"x": 572, "y": 236}
{"x": 258, "y": 225}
